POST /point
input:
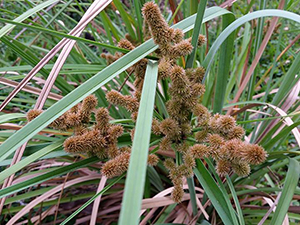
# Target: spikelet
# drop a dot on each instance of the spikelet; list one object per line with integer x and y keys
{"x": 236, "y": 132}
{"x": 226, "y": 124}
{"x": 200, "y": 136}
{"x": 196, "y": 75}
{"x": 213, "y": 122}
{"x": 200, "y": 151}
{"x": 112, "y": 150}
{"x": 33, "y": 113}
{"x": 177, "y": 193}
{"x": 198, "y": 90}
{"x": 114, "y": 97}
{"x": 115, "y": 131}
{"x": 179, "y": 78}
{"x": 185, "y": 128}
{"x": 128, "y": 102}
{"x": 61, "y": 123}
{"x": 124, "y": 150}
{"x": 185, "y": 170}
{"x": 73, "y": 119}
{"x": 102, "y": 119}
{"x": 189, "y": 160}
{"x": 152, "y": 160}
{"x": 169, "y": 164}
{"x": 215, "y": 143}
{"x": 165, "y": 144}
{"x": 101, "y": 153}
{"x": 117, "y": 166}
{"x": 164, "y": 68}
{"x": 223, "y": 167}
{"x": 182, "y": 147}
{"x": 232, "y": 150}
{"x": 201, "y": 40}
{"x": 159, "y": 28}
{"x": 156, "y": 127}
{"x": 124, "y": 43}
{"x": 254, "y": 154}
{"x": 89, "y": 141}
{"x": 202, "y": 114}
{"x": 177, "y": 36}
{"x": 182, "y": 48}
{"x": 88, "y": 104}
{"x": 170, "y": 128}
{"x": 242, "y": 169}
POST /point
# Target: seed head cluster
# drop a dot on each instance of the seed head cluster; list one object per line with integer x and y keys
{"x": 218, "y": 136}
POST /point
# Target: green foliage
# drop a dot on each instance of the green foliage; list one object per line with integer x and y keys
{"x": 231, "y": 49}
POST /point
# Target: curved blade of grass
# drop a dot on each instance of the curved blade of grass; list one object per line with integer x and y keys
{"x": 92, "y": 85}
{"x": 6, "y": 117}
{"x": 287, "y": 193}
{"x": 134, "y": 186}
{"x": 139, "y": 28}
{"x": 113, "y": 182}
{"x": 16, "y": 167}
{"x": 236, "y": 201}
{"x": 125, "y": 18}
{"x": 25, "y": 15}
{"x": 39, "y": 179}
{"x": 224, "y": 66}
{"x": 237, "y": 23}
{"x": 196, "y": 32}
{"x": 213, "y": 192}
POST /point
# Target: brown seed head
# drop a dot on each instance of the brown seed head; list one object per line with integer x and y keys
{"x": 164, "y": 68}
{"x": 159, "y": 28}
{"x": 102, "y": 118}
{"x": 182, "y": 48}
{"x": 156, "y": 127}
{"x": 33, "y": 113}
{"x": 170, "y": 128}
{"x": 242, "y": 169}
{"x": 165, "y": 144}
{"x": 177, "y": 35}
{"x": 226, "y": 124}
{"x": 223, "y": 167}
{"x": 201, "y": 136}
{"x": 254, "y": 154}
{"x": 201, "y": 40}
{"x": 232, "y": 150}
{"x": 124, "y": 43}
{"x": 169, "y": 164}
{"x": 177, "y": 194}
{"x": 152, "y": 160}
{"x": 189, "y": 160}
{"x": 199, "y": 151}
{"x": 88, "y": 104}
{"x": 236, "y": 132}
{"x": 117, "y": 166}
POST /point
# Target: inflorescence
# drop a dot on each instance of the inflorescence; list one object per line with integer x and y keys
{"x": 217, "y": 137}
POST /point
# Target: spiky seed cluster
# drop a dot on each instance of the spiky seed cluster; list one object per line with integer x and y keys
{"x": 33, "y": 113}
{"x": 128, "y": 102}
{"x": 219, "y": 136}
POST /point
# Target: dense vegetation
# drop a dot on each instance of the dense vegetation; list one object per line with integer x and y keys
{"x": 206, "y": 94}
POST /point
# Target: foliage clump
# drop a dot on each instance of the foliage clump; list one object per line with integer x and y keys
{"x": 216, "y": 136}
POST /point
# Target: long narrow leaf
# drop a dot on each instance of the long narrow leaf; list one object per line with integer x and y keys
{"x": 135, "y": 181}
{"x": 286, "y": 197}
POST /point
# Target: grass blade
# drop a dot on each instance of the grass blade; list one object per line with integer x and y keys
{"x": 289, "y": 188}
{"x": 196, "y": 32}
{"x": 135, "y": 181}
{"x": 16, "y": 167}
{"x": 39, "y": 179}
{"x": 26, "y": 15}
{"x": 91, "y": 200}
{"x": 213, "y": 192}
